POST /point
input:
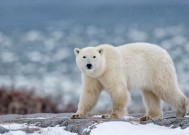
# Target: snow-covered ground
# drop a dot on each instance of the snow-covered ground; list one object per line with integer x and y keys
{"x": 16, "y": 129}
{"x": 106, "y": 128}
{"x": 125, "y": 128}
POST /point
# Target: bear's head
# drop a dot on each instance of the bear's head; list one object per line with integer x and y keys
{"x": 90, "y": 61}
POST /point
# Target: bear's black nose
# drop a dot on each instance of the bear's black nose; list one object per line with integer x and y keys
{"x": 89, "y": 66}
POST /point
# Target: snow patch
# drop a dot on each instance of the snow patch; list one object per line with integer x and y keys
{"x": 125, "y": 128}
{"x": 53, "y": 131}
{"x": 37, "y": 118}
{"x": 16, "y": 130}
{"x": 14, "y": 126}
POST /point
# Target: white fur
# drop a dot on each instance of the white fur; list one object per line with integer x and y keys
{"x": 141, "y": 66}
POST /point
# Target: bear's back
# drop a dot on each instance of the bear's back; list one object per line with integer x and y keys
{"x": 142, "y": 61}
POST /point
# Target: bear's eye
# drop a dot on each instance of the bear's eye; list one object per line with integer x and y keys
{"x": 84, "y": 57}
{"x": 94, "y": 56}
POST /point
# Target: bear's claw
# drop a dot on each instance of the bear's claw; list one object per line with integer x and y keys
{"x": 110, "y": 116}
{"x": 106, "y": 116}
{"x": 75, "y": 116}
{"x": 145, "y": 118}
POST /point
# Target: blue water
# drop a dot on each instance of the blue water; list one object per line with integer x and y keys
{"x": 37, "y": 38}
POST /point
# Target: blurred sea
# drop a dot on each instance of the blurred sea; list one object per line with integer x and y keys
{"x": 37, "y": 39}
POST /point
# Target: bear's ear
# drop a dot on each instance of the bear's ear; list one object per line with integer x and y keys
{"x": 76, "y": 51}
{"x": 100, "y": 50}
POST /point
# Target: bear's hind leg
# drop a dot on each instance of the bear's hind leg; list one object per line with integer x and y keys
{"x": 152, "y": 105}
{"x": 166, "y": 86}
{"x": 175, "y": 98}
{"x": 181, "y": 108}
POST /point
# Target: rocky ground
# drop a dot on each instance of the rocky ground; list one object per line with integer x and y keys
{"x": 81, "y": 126}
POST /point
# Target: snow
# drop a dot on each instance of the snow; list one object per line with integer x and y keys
{"x": 14, "y": 126}
{"x": 37, "y": 118}
{"x": 16, "y": 130}
{"x": 55, "y": 131}
{"x": 105, "y": 128}
{"x": 125, "y": 128}
{"x": 129, "y": 118}
{"x": 15, "y": 133}
{"x": 45, "y": 131}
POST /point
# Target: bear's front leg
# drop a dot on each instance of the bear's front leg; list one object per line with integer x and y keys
{"x": 120, "y": 98}
{"x": 88, "y": 98}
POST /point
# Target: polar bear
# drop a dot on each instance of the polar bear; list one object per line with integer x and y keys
{"x": 118, "y": 70}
